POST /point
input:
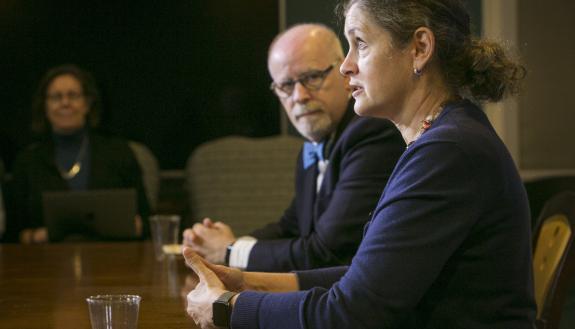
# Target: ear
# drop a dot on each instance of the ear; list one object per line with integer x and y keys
{"x": 423, "y": 48}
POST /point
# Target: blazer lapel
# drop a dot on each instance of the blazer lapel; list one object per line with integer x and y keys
{"x": 308, "y": 197}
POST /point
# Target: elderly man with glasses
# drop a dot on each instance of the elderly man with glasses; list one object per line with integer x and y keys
{"x": 341, "y": 171}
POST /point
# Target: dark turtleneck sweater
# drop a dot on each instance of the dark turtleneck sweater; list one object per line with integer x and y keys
{"x": 72, "y": 148}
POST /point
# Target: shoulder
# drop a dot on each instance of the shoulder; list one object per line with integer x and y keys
{"x": 32, "y": 152}
{"x": 109, "y": 143}
{"x": 462, "y": 139}
{"x": 111, "y": 147}
{"x": 462, "y": 123}
{"x": 109, "y": 140}
{"x": 468, "y": 129}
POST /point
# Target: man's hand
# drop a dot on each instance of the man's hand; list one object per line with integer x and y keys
{"x": 210, "y": 240}
{"x": 208, "y": 289}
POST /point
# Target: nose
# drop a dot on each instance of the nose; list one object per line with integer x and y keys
{"x": 300, "y": 93}
{"x": 65, "y": 100}
{"x": 348, "y": 66}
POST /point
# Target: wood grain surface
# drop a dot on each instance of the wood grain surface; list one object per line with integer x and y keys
{"x": 46, "y": 286}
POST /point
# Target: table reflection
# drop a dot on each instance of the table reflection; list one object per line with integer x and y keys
{"x": 45, "y": 286}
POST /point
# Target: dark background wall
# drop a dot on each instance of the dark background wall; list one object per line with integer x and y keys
{"x": 547, "y": 105}
{"x": 173, "y": 74}
{"x": 301, "y": 11}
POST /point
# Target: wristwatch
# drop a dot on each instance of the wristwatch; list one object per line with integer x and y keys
{"x": 229, "y": 253}
{"x": 222, "y": 310}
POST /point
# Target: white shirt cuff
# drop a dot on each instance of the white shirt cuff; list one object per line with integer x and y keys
{"x": 240, "y": 254}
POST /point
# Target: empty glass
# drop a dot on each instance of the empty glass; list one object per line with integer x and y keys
{"x": 114, "y": 311}
{"x": 165, "y": 233}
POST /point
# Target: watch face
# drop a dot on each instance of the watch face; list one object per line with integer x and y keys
{"x": 220, "y": 314}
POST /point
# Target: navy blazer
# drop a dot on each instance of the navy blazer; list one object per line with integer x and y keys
{"x": 449, "y": 245}
{"x": 324, "y": 229}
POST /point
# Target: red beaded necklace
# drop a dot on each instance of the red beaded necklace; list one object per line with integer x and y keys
{"x": 425, "y": 125}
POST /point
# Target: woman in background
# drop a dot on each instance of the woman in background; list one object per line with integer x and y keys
{"x": 71, "y": 155}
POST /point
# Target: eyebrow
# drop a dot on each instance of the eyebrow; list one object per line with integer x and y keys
{"x": 352, "y": 30}
{"x": 304, "y": 73}
{"x": 356, "y": 26}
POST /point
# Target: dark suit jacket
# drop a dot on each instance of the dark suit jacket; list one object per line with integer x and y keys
{"x": 113, "y": 165}
{"x": 325, "y": 229}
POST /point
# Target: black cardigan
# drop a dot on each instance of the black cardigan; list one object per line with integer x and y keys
{"x": 113, "y": 165}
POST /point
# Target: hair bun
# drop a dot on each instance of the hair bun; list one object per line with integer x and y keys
{"x": 491, "y": 74}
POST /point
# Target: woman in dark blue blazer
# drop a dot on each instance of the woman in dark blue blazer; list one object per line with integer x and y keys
{"x": 448, "y": 244}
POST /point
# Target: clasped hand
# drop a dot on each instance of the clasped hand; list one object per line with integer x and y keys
{"x": 209, "y": 239}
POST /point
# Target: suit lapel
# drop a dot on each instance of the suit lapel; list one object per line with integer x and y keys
{"x": 314, "y": 203}
{"x": 308, "y": 197}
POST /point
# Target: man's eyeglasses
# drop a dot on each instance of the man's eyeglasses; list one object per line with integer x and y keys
{"x": 312, "y": 80}
{"x": 58, "y": 97}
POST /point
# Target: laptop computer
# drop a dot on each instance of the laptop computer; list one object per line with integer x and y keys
{"x": 106, "y": 214}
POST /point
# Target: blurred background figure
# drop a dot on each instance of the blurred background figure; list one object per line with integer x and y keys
{"x": 70, "y": 154}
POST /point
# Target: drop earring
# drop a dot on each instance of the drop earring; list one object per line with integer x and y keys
{"x": 417, "y": 72}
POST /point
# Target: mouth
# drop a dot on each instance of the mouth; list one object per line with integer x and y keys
{"x": 356, "y": 90}
{"x": 307, "y": 114}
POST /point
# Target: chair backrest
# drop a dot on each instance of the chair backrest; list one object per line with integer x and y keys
{"x": 541, "y": 190}
{"x": 244, "y": 182}
{"x": 554, "y": 258}
{"x": 150, "y": 171}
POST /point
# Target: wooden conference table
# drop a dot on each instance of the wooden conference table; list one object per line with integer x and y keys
{"x": 45, "y": 286}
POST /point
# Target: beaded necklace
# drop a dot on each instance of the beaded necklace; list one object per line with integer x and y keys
{"x": 425, "y": 125}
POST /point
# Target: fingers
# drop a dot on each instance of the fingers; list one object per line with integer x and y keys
{"x": 187, "y": 233}
{"x": 198, "y": 250}
{"x": 187, "y": 236}
{"x": 199, "y": 230}
{"x": 197, "y": 227}
{"x": 216, "y": 268}
{"x": 220, "y": 225}
{"x": 40, "y": 235}
{"x": 194, "y": 317}
{"x": 191, "y": 238}
{"x": 26, "y": 236}
{"x": 196, "y": 263}
{"x": 208, "y": 222}
{"x": 189, "y": 284}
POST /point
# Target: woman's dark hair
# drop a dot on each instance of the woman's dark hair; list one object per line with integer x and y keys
{"x": 40, "y": 124}
{"x": 469, "y": 65}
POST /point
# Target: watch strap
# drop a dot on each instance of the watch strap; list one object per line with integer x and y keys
{"x": 222, "y": 310}
{"x": 229, "y": 253}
